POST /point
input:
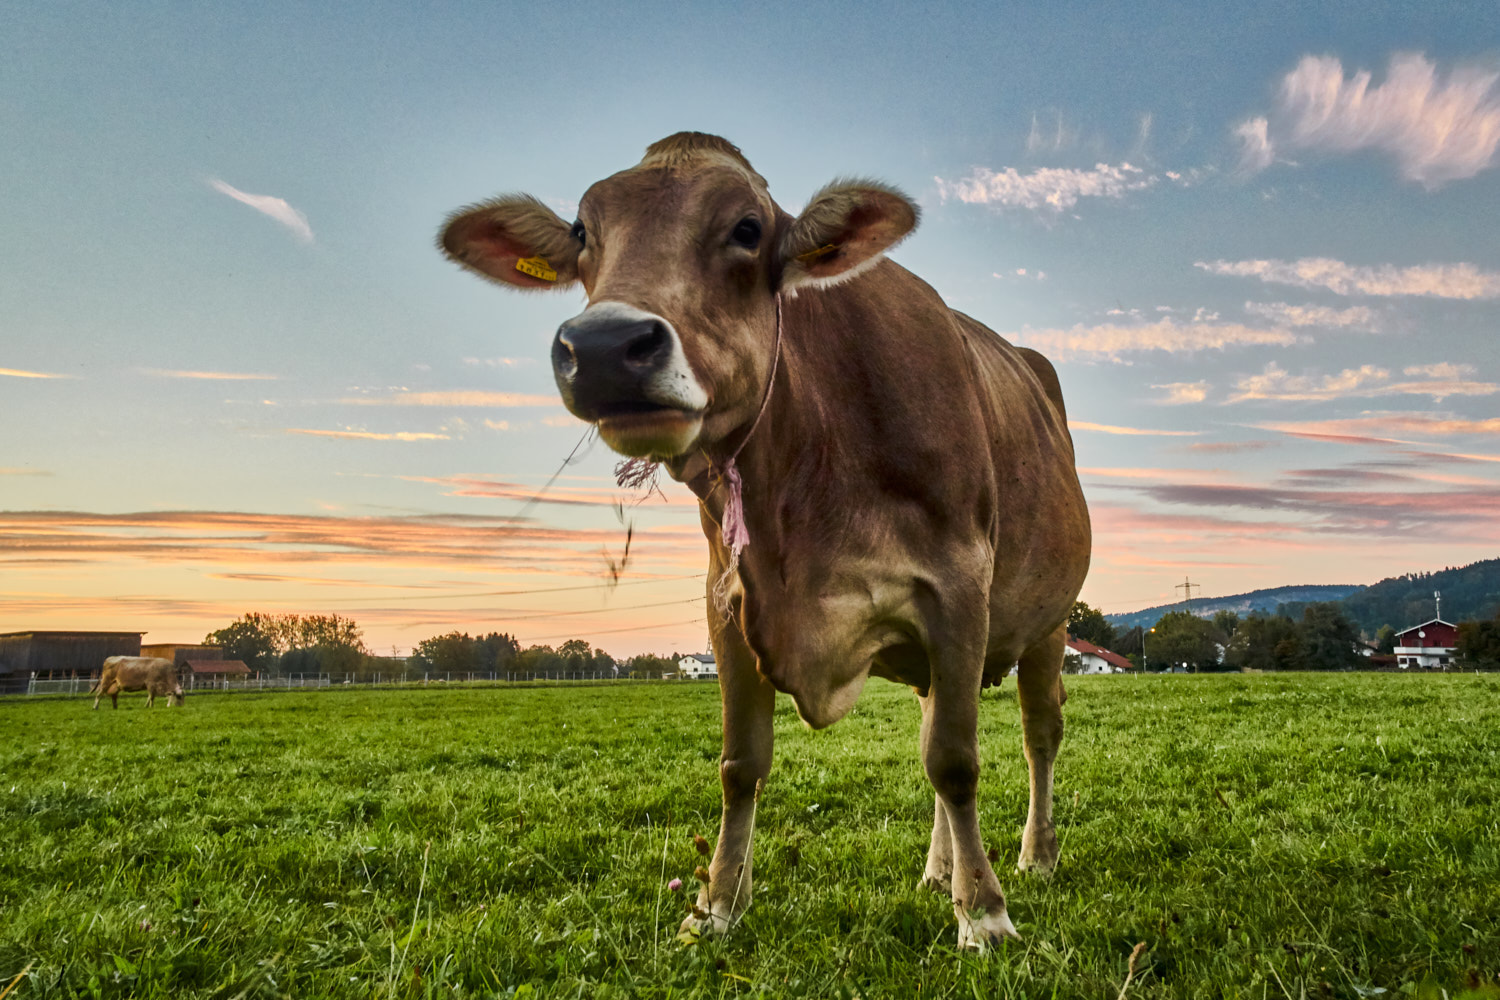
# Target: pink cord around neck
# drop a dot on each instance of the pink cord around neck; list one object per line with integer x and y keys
{"x": 736, "y": 535}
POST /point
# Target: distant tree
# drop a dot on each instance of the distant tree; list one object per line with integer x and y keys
{"x": 500, "y": 651}
{"x": 650, "y": 665}
{"x": 1179, "y": 637}
{"x": 252, "y": 639}
{"x": 1072, "y": 663}
{"x": 1226, "y": 622}
{"x": 1385, "y": 640}
{"x": 456, "y": 652}
{"x": 1090, "y": 625}
{"x": 333, "y": 643}
{"x": 1479, "y": 644}
{"x": 540, "y": 659}
{"x": 1128, "y": 643}
{"x": 1256, "y": 640}
{"x": 1326, "y": 639}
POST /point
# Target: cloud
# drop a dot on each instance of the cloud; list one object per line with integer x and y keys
{"x": 1381, "y": 428}
{"x": 457, "y": 397}
{"x": 605, "y": 496}
{"x": 1440, "y": 513}
{"x": 1084, "y": 425}
{"x": 1228, "y": 447}
{"x": 499, "y": 362}
{"x": 1110, "y": 341}
{"x": 1048, "y": 189}
{"x": 1049, "y": 139}
{"x": 213, "y": 376}
{"x": 1443, "y": 281}
{"x": 1437, "y": 129}
{"x": 370, "y": 435}
{"x": 22, "y": 373}
{"x": 1282, "y": 314}
{"x": 1183, "y": 392}
{"x": 1365, "y": 381}
{"x": 1256, "y": 152}
{"x": 276, "y": 208}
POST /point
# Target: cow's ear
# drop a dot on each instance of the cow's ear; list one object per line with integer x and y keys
{"x": 844, "y": 229}
{"x": 514, "y": 240}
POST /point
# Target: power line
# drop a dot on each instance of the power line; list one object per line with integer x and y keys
{"x": 522, "y": 616}
{"x": 614, "y": 631}
{"x": 523, "y": 593}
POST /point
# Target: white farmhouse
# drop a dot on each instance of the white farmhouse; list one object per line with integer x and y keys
{"x": 697, "y": 666}
{"x": 1097, "y": 659}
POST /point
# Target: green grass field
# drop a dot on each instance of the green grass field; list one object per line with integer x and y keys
{"x": 1266, "y": 836}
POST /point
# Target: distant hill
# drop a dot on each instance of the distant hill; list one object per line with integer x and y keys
{"x": 1267, "y": 600}
{"x": 1469, "y": 592}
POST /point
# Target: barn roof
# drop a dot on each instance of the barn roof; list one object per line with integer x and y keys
{"x": 61, "y": 633}
{"x": 236, "y": 667}
{"x": 1434, "y": 621}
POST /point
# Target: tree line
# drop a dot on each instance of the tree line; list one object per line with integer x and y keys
{"x": 1319, "y": 636}
{"x": 333, "y": 644}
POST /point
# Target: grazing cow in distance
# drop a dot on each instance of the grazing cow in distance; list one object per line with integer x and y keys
{"x": 151, "y": 674}
{"x": 887, "y": 486}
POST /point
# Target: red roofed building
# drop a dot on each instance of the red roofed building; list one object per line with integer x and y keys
{"x": 1097, "y": 659}
{"x": 1428, "y": 645}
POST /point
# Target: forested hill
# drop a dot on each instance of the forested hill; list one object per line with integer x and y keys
{"x": 1241, "y": 604}
{"x": 1469, "y": 592}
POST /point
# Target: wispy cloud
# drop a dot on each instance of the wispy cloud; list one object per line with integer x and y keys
{"x": 604, "y": 496}
{"x": 1443, "y": 380}
{"x": 1048, "y": 189}
{"x": 370, "y": 435}
{"x": 1084, "y": 425}
{"x": 499, "y": 362}
{"x": 276, "y": 208}
{"x": 1282, "y": 314}
{"x": 457, "y": 397}
{"x": 1437, "y": 128}
{"x": 1227, "y": 447}
{"x": 1388, "y": 428}
{"x": 1112, "y": 341}
{"x": 208, "y": 376}
{"x": 1178, "y": 393}
{"x": 22, "y": 373}
{"x": 1444, "y": 281}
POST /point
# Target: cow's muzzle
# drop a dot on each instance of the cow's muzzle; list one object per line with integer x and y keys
{"x": 624, "y": 369}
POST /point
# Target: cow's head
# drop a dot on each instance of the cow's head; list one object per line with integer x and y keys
{"x": 681, "y": 257}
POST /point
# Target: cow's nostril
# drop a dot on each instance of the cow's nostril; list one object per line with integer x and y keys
{"x": 647, "y": 348}
{"x": 564, "y": 359}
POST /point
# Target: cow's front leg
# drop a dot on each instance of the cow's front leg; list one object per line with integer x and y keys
{"x": 749, "y": 702}
{"x": 950, "y": 754}
{"x": 1040, "y": 691}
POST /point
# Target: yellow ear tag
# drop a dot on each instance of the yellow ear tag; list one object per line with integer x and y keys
{"x": 813, "y": 256}
{"x": 537, "y": 267}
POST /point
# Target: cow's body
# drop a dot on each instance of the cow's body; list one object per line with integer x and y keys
{"x": 908, "y": 481}
{"x": 151, "y": 674}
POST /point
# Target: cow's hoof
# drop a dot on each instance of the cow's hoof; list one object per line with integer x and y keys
{"x": 979, "y": 929}
{"x": 942, "y": 884}
{"x": 710, "y": 923}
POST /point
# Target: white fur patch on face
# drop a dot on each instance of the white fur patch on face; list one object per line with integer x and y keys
{"x": 674, "y": 384}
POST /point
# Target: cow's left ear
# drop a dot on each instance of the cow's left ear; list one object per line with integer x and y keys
{"x": 845, "y": 228}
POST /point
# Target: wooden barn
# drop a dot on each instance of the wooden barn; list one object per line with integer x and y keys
{"x": 182, "y": 653}
{"x": 59, "y": 655}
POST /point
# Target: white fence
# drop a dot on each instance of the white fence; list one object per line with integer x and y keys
{"x": 192, "y": 682}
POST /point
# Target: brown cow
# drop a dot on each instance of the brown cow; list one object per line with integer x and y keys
{"x": 150, "y": 674}
{"x": 900, "y": 478}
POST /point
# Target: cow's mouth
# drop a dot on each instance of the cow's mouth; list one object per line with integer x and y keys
{"x": 648, "y": 430}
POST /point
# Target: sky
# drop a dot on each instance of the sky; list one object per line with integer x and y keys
{"x": 1259, "y": 243}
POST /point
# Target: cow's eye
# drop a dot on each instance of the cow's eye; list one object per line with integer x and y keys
{"x": 746, "y": 234}
{"x": 579, "y": 234}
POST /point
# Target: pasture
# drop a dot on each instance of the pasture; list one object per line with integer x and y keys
{"x": 1266, "y": 836}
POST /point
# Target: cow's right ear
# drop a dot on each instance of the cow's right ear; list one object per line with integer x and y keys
{"x": 514, "y": 240}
